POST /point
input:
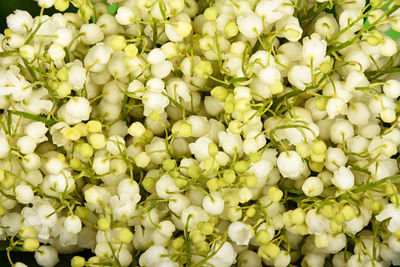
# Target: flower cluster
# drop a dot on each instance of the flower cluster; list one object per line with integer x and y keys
{"x": 202, "y": 133}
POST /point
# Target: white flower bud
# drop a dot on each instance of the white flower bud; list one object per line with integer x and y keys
{"x": 388, "y": 47}
{"x": 230, "y": 143}
{"x": 73, "y": 224}
{"x": 45, "y": 4}
{"x": 225, "y": 254}
{"x": 156, "y": 150}
{"x": 155, "y": 56}
{"x": 92, "y": 195}
{"x": 124, "y": 256}
{"x": 115, "y": 145}
{"x": 355, "y": 79}
{"x": 26, "y": 145}
{"x": 27, "y": 51}
{"x": 316, "y": 223}
{"x": 4, "y": 146}
{"x": 165, "y": 186}
{"x": 312, "y": 187}
{"x": 62, "y": 182}
{"x": 166, "y": 228}
{"x": 200, "y": 125}
{"x": 63, "y": 36}
{"x": 162, "y": 69}
{"x": 24, "y": 194}
{"x": 97, "y": 57}
{"x": 383, "y": 168}
{"x": 326, "y": 26}
{"x": 76, "y": 75}
{"x": 76, "y": 110}
{"x": 300, "y": 76}
{"x": 290, "y": 164}
{"x": 193, "y": 215}
{"x": 349, "y": 16}
{"x": 380, "y": 148}
{"x": 154, "y": 255}
{"x": 16, "y": 40}
{"x": 46, "y": 256}
{"x": 240, "y": 233}
{"x": 314, "y": 50}
{"x": 154, "y": 101}
{"x": 200, "y": 148}
{"x": 56, "y": 52}
{"x": 369, "y": 130}
{"x": 178, "y": 203}
{"x": 358, "y": 113}
{"x": 358, "y": 59}
{"x": 394, "y": 243}
{"x": 269, "y": 75}
{"x": 214, "y": 204}
{"x": 388, "y": 115}
{"x": 101, "y": 165}
{"x": 92, "y": 34}
{"x": 250, "y": 25}
{"x": 249, "y": 258}
{"x": 341, "y": 130}
{"x": 52, "y": 165}
{"x": 269, "y": 11}
{"x": 313, "y": 260}
{"x": 391, "y": 88}
{"x": 36, "y": 130}
{"x": 343, "y": 178}
{"x": 283, "y": 259}
{"x": 31, "y": 162}
{"x": 20, "y": 21}
{"x": 102, "y": 249}
{"x": 128, "y": 186}
{"x": 125, "y": 15}
{"x": 290, "y": 28}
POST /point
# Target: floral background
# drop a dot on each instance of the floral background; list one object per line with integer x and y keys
{"x": 7, "y": 7}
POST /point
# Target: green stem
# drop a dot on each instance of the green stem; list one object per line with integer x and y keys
{"x": 367, "y": 187}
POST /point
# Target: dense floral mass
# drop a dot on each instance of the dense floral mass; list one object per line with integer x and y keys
{"x": 202, "y": 133}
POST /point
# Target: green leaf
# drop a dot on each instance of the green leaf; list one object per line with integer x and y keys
{"x": 48, "y": 122}
{"x": 112, "y": 9}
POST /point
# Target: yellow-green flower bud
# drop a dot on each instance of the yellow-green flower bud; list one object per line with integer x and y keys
{"x": 348, "y": 212}
{"x": 212, "y": 149}
{"x": 275, "y": 194}
{"x": 262, "y": 237}
{"x": 241, "y": 166}
{"x": 30, "y": 244}
{"x": 103, "y": 224}
{"x": 78, "y": 261}
{"x": 130, "y": 50}
{"x": 318, "y": 147}
{"x": 148, "y": 184}
{"x": 82, "y": 212}
{"x": 194, "y": 171}
{"x": 212, "y": 184}
{"x": 94, "y": 126}
{"x": 117, "y": 42}
{"x": 231, "y": 29}
{"x": 328, "y": 211}
{"x": 220, "y": 93}
{"x": 229, "y": 176}
{"x": 178, "y": 243}
{"x": 169, "y": 164}
{"x": 210, "y": 13}
{"x": 125, "y": 235}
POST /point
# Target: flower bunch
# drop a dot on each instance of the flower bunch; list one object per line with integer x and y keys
{"x": 202, "y": 133}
